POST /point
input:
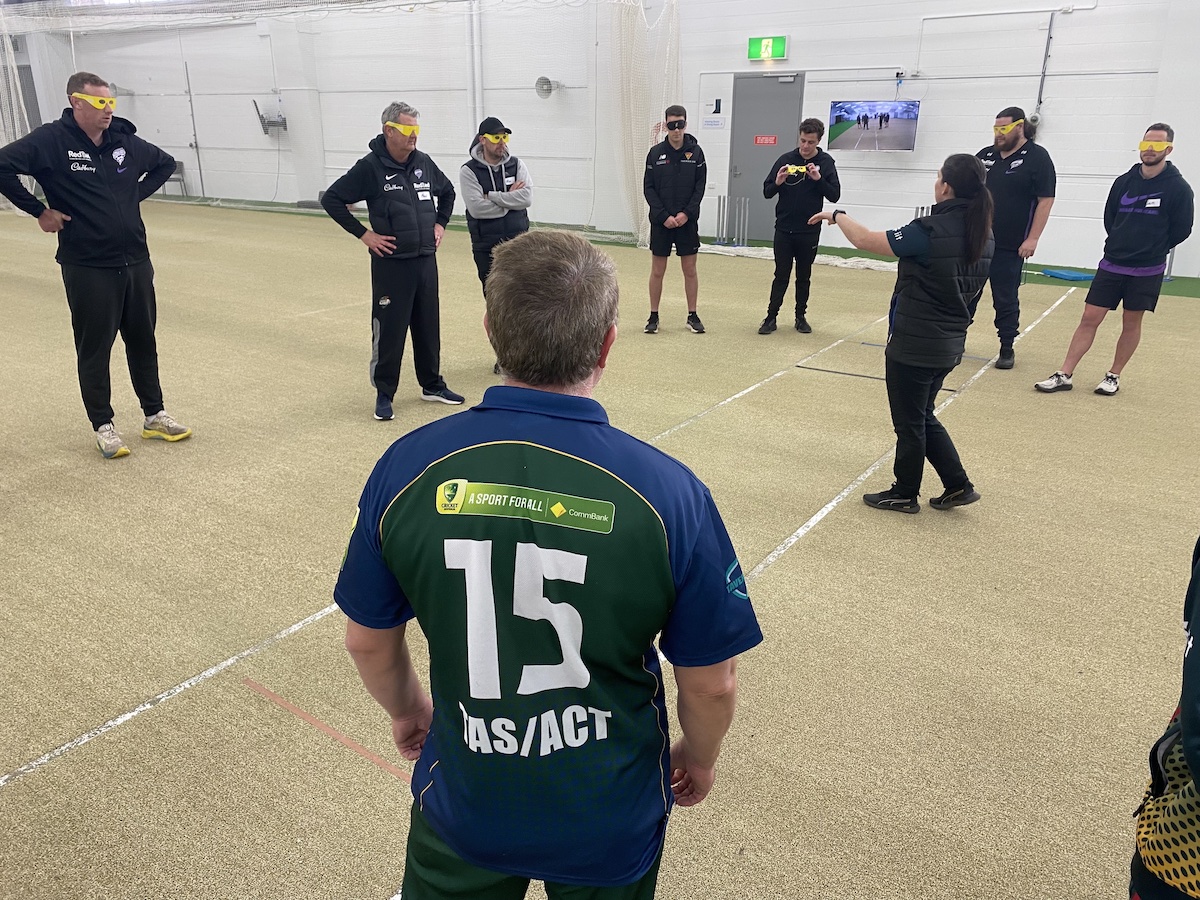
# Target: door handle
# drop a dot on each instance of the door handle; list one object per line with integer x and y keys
{"x": 736, "y": 173}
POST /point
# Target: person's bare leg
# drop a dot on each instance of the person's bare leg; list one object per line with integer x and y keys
{"x": 691, "y": 281}
{"x": 1131, "y": 334}
{"x": 1085, "y": 333}
{"x": 658, "y": 268}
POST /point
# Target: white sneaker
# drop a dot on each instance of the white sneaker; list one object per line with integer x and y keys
{"x": 1110, "y": 385}
{"x": 1059, "y": 381}
{"x": 109, "y": 443}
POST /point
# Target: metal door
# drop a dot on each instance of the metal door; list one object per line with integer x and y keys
{"x": 766, "y": 121}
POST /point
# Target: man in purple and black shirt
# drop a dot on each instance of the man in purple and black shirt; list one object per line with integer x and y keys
{"x": 1150, "y": 210}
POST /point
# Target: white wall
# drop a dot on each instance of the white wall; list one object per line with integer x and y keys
{"x": 1112, "y": 70}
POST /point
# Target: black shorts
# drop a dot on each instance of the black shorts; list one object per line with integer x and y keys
{"x": 685, "y": 239}
{"x": 1145, "y": 885}
{"x": 1139, "y": 292}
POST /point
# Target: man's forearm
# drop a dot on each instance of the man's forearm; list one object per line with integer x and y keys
{"x": 704, "y": 719}
{"x": 390, "y": 678}
{"x": 1041, "y": 215}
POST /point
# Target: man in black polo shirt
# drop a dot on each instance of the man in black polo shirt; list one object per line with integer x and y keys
{"x": 1021, "y": 178}
{"x": 674, "y": 187}
{"x": 803, "y": 179}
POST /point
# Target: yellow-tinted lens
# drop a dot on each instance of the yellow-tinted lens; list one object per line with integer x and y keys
{"x": 406, "y": 130}
{"x": 98, "y": 102}
{"x": 497, "y": 138}
{"x": 1156, "y": 146}
{"x": 1005, "y": 129}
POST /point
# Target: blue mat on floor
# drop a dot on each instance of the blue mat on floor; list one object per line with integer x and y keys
{"x": 1067, "y": 276}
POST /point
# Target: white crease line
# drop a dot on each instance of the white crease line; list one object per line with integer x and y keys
{"x": 700, "y": 415}
{"x": 54, "y": 754}
{"x": 849, "y": 489}
{"x": 317, "y": 312}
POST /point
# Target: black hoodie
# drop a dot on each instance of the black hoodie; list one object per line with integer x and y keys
{"x": 99, "y": 187}
{"x": 674, "y": 181}
{"x": 800, "y": 197}
{"x": 400, "y": 199}
{"x": 1146, "y": 217}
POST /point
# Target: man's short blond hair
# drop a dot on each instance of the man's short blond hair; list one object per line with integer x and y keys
{"x": 551, "y": 298}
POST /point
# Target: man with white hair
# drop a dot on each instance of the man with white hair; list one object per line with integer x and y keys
{"x": 409, "y": 202}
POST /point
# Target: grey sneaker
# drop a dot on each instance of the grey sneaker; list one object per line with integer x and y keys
{"x": 651, "y": 324}
{"x": 162, "y": 427}
{"x": 1110, "y": 385}
{"x": 694, "y": 323}
{"x": 109, "y": 443}
{"x": 1059, "y": 381}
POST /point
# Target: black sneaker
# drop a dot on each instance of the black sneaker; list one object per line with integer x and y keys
{"x": 694, "y": 324}
{"x": 892, "y": 499}
{"x": 768, "y": 325}
{"x": 383, "y": 408}
{"x": 802, "y": 325}
{"x": 1007, "y": 359}
{"x": 957, "y": 497}
{"x": 651, "y": 324}
{"x": 445, "y": 395}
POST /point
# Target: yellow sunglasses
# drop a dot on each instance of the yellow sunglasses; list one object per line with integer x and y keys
{"x": 98, "y": 102}
{"x": 497, "y": 138}
{"x": 1005, "y": 129}
{"x": 1156, "y": 146}
{"x": 406, "y": 130}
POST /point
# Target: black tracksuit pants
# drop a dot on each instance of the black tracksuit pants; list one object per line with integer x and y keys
{"x": 1005, "y": 278}
{"x": 405, "y": 298}
{"x": 105, "y": 302}
{"x": 801, "y": 249}
{"x": 912, "y": 395}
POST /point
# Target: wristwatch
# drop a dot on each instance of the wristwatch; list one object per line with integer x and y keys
{"x": 836, "y": 213}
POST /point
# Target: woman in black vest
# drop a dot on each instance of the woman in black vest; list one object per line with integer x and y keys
{"x": 944, "y": 260}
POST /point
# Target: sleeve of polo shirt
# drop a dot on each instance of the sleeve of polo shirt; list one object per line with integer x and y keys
{"x": 1045, "y": 179}
{"x": 366, "y": 589}
{"x": 911, "y": 240}
{"x": 712, "y": 619}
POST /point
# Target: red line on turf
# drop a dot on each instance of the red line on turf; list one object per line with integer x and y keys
{"x": 328, "y": 729}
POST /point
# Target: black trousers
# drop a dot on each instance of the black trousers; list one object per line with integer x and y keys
{"x": 1005, "y": 278}
{"x": 912, "y": 394}
{"x": 483, "y": 264}
{"x": 405, "y": 298}
{"x": 103, "y": 303}
{"x": 801, "y": 249}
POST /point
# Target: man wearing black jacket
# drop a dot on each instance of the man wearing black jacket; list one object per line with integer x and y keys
{"x": 399, "y": 184}
{"x": 1150, "y": 209}
{"x": 95, "y": 172}
{"x": 803, "y": 179}
{"x": 674, "y": 187}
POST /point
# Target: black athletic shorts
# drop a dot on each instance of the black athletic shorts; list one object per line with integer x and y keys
{"x": 685, "y": 239}
{"x": 1144, "y": 885}
{"x": 1139, "y": 292}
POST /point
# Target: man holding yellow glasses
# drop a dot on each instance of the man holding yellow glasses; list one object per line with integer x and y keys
{"x": 1150, "y": 209}
{"x": 1022, "y": 180}
{"x": 95, "y": 172}
{"x": 409, "y": 202}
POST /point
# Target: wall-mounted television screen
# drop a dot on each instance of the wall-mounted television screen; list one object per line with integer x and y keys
{"x": 873, "y": 124}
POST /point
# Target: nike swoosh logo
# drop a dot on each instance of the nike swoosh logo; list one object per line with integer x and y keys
{"x": 388, "y": 177}
{"x": 1126, "y": 200}
{"x": 119, "y": 171}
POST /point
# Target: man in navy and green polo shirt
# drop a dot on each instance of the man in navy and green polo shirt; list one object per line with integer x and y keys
{"x": 542, "y": 551}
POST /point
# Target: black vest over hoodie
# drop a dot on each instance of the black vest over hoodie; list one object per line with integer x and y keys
{"x": 487, "y": 233}
{"x": 933, "y": 299}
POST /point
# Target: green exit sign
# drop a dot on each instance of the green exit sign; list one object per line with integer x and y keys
{"x": 768, "y": 47}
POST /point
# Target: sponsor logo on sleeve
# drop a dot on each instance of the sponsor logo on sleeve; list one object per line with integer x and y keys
{"x": 459, "y": 497}
{"x": 735, "y": 581}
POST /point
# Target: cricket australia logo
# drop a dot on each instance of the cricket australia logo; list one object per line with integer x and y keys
{"x": 450, "y": 496}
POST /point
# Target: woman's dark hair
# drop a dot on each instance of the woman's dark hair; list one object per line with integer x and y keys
{"x": 967, "y": 177}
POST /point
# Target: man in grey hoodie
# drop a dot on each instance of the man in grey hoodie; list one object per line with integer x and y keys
{"x": 497, "y": 191}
